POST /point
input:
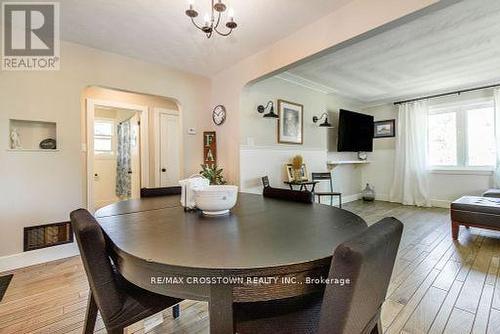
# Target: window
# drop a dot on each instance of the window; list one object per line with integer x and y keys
{"x": 462, "y": 135}
{"x": 103, "y": 136}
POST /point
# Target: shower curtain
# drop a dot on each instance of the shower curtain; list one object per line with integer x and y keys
{"x": 123, "y": 161}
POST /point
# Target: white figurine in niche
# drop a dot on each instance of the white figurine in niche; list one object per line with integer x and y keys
{"x": 15, "y": 139}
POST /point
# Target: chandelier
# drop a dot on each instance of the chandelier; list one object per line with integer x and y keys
{"x": 213, "y": 20}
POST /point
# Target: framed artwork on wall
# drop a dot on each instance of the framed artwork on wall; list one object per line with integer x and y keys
{"x": 384, "y": 129}
{"x": 290, "y": 122}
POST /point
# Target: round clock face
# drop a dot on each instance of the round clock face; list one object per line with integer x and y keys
{"x": 219, "y": 115}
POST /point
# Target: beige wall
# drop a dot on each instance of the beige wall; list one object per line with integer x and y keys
{"x": 43, "y": 187}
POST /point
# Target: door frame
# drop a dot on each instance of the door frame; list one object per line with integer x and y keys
{"x": 157, "y": 112}
{"x": 143, "y": 111}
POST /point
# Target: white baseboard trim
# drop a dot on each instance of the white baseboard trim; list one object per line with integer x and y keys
{"x": 438, "y": 203}
{"x": 38, "y": 256}
{"x": 345, "y": 199}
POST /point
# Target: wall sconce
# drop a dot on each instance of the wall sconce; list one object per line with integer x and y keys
{"x": 261, "y": 109}
{"x": 325, "y": 124}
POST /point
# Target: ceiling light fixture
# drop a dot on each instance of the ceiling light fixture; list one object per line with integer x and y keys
{"x": 213, "y": 20}
{"x": 325, "y": 124}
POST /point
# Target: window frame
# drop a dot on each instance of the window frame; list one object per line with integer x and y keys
{"x": 461, "y": 108}
{"x": 112, "y": 137}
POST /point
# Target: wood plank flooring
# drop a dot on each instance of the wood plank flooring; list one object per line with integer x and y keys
{"x": 438, "y": 286}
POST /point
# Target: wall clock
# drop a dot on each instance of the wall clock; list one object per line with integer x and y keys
{"x": 219, "y": 115}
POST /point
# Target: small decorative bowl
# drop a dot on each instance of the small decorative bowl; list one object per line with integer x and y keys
{"x": 216, "y": 200}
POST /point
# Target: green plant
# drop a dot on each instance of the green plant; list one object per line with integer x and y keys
{"x": 213, "y": 174}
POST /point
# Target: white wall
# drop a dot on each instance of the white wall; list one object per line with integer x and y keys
{"x": 445, "y": 186}
{"x": 44, "y": 187}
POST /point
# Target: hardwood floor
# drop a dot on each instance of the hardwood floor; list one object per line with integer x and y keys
{"x": 438, "y": 286}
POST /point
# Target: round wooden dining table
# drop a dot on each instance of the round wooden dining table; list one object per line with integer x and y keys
{"x": 265, "y": 249}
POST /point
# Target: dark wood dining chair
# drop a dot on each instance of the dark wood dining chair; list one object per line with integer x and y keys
{"x": 120, "y": 302}
{"x": 367, "y": 261}
{"x": 156, "y": 192}
{"x": 328, "y": 177}
{"x": 289, "y": 195}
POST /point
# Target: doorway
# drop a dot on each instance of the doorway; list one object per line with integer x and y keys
{"x": 117, "y": 163}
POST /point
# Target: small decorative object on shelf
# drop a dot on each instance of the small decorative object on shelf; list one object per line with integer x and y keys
{"x": 362, "y": 156}
{"x": 48, "y": 144}
{"x": 213, "y": 174}
{"x": 219, "y": 115}
{"x": 297, "y": 167}
{"x": 15, "y": 139}
{"x": 368, "y": 194}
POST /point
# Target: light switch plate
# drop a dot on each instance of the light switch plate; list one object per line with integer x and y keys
{"x": 191, "y": 131}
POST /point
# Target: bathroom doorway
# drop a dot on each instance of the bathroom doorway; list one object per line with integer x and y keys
{"x": 117, "y": 166}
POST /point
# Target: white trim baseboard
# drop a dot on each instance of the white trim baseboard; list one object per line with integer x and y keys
{"x": 38, "y": 256}
{"x": 438, "y": 203}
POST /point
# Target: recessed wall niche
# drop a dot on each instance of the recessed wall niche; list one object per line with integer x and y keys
{"x": 26, "y": 135}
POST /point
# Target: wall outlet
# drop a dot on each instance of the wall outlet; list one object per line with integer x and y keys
{"x": 191, "y": 131}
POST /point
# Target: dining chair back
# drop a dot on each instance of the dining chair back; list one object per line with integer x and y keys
{"x": 265, "y": 181}
{"x": 326, "y": 176}
{"x": 120, "y": 302}
{"x": 164, "y": 191}
{"x": 359, "y": 276}
{"x": 289, "y": 195}
{"x": 367, "y": 261}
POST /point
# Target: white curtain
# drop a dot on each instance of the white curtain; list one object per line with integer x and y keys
{"x": 411, "y": 185}
{"x": 497, "y": 137}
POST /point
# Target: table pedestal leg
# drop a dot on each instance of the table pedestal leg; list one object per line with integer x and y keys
{"x": 220, "y": 309}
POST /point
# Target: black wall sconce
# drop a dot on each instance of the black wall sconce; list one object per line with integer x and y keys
{"x": 325, "y": 124}
{"x": 261, "y": 109}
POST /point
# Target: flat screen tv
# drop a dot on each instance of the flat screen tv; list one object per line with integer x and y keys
{"x": 355, "y": 132}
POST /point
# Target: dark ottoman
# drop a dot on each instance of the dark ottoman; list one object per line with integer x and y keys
{"x": 492, "y": 193}
{"x": 483, "y": 212}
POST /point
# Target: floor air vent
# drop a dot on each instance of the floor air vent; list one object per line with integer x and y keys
{"x": 36, "y": 237}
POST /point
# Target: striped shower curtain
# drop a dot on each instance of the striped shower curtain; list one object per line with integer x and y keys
{"x": 123, "y": 161}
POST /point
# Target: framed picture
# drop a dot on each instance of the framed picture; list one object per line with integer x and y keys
{"x": 290, "y": 122}
{"x": 303, "y": 172}
{"x": 385, "y": 129}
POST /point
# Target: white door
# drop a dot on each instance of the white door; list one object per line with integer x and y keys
{"x": 169, "y": 150}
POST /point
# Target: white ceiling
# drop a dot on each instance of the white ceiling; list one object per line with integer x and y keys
{"x": 456, "y": 47}
{"x": 158, "y": 31}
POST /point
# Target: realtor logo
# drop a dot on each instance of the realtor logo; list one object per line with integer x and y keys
{"x": 30, "y": 36}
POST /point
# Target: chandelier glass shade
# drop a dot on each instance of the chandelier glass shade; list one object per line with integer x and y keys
{"x": 213, "y": 21}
